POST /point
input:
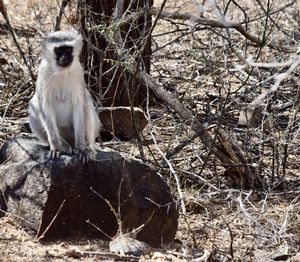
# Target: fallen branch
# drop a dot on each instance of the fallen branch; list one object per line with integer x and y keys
{"x": 229, "y": 154}
{"x": 223, "y": 149}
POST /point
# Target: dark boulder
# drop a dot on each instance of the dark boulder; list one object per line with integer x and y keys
{"x": 62, "y": 198}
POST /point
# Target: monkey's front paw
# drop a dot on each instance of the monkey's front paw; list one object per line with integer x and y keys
{"x": 54, "y": 153}
{"x": 86, "y": 155}
{"x": 68, "y": 150}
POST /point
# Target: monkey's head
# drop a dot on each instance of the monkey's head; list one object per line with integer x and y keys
{"x": 61, "y": 48}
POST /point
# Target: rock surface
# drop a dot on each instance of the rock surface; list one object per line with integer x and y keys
{"x": 62, "y": 198}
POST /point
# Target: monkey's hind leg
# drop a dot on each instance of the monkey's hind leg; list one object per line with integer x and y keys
{"x": 36, "y": 126}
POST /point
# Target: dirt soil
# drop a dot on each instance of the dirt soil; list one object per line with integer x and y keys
{"x": 205, "y": 68}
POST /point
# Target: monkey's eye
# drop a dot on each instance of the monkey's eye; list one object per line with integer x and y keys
{"x": 63, "y": 50}
{"x": 57, "y": 51}
{"x": 69, "y": 49}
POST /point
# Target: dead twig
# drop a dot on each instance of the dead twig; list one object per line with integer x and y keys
{"x": 180, "y": 146}
{"x": 15, "y": 39}
{"x": 279, "y": 78}
{"x": 52, "y": 221}
{"x": 64, "y": 3}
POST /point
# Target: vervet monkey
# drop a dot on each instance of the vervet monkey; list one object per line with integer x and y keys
{"x": 61, "y": 112}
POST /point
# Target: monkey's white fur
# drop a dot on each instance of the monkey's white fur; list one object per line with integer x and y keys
{"x": 61, "y": 112}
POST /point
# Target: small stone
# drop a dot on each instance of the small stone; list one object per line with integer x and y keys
{"x": 118, "y": 121}
{"x": 282, "y": 253}
{"x": 126, "y": 245}
{"x": 252, "y": 117}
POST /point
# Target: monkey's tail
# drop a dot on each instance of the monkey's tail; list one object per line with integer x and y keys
{"x": 93, "y": 126}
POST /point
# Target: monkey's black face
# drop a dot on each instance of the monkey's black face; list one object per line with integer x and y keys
{"x": 64, "y": 55}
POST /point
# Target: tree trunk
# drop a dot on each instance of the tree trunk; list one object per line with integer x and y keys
{"x": 106, "y": 77}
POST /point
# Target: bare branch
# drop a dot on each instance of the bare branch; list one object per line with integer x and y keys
{"x": 119, "y": 9}
{"x": 221, "y": 24}
{"x": 64, "y": 3}
{"x": 279, "y": 78}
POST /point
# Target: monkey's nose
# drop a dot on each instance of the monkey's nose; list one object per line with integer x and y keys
{"x": 64, "y": 61}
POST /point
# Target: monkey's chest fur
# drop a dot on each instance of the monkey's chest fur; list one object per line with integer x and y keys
{"x": 64, "y": 114}
{"x": 64, "y": 94}
{"x": 63, "y": 108}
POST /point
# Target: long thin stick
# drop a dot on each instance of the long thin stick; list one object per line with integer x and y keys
{"x": 52, "y": 221}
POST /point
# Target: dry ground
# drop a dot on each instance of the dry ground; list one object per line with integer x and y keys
{"x": 200, "y": 66}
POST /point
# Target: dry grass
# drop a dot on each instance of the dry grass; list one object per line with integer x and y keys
{"x": 200, "y": 68}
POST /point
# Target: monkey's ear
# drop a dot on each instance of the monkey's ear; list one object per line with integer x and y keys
{"x": 45, "y": 38}
{"x": 79, "y": 37}
{"x": 44, "y": 42}
{"x": 79, "y": 42}
{"x": 75, "y": 34}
